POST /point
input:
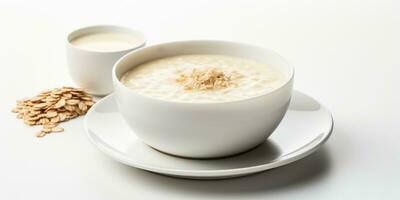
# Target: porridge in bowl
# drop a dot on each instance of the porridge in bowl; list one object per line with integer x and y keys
{"x": 203, "y": 78}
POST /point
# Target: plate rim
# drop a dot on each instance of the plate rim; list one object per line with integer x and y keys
{"x": 291, "y": 157}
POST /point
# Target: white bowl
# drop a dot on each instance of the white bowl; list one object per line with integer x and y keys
{"x": 202, "y": 130}
{"x": 90, "y": 69}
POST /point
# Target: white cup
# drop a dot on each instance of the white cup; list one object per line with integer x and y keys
{"x": 90, "y": 69}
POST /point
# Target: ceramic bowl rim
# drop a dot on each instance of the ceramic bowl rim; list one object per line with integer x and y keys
{"x": 120, "y": 85}
{"x": 116, "y": 28}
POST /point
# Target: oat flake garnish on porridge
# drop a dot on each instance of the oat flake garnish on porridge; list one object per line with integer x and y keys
{"x": 207, "y": 79}
{"x": 53, "y": 106}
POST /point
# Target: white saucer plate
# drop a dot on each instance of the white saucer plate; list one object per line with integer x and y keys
{"x": 306, "y": 126}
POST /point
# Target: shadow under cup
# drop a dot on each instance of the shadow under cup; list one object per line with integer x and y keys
{"x": 203, "y": 130}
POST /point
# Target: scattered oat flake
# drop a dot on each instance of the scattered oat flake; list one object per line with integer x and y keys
{"x": 72, "y": 102}
{"x": 40, "y": 105}
{"x": 87, "y": 98}
{"x": 51, "y": 114}
{"x": 89, "y": 103}
{"x": 40, "y": 134}
{"x": 38, "y": 98}
{"x": 82, "y": 105}
{"x": 60, "y": 103}
{"x": 57, "y": 129}
{"x": 51, "y": 107}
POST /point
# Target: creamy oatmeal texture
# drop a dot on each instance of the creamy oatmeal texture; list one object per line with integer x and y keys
{"x": 162, "y": 78}
{"x": 106, "y": 41}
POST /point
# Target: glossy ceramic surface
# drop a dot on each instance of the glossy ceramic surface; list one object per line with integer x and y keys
{"x": 306, "y": 126}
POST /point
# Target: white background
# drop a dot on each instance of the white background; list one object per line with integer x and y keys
{"x": 345, "y": 54}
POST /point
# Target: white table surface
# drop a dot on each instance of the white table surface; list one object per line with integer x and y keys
{"x": 345, "y": 54}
